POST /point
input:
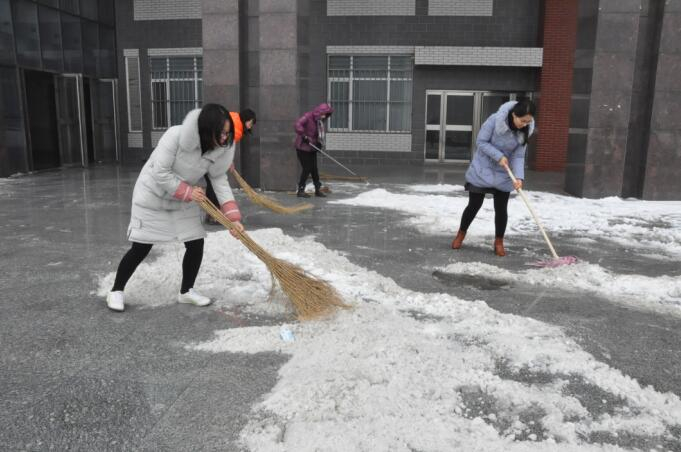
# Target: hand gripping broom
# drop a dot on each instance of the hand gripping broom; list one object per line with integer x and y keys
{"x": 264, "y": 201}
{"x": 556, "y": 261}
{"x": 311, "y": 297}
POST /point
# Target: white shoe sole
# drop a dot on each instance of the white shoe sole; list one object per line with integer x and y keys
{"x": 195, "y": 304}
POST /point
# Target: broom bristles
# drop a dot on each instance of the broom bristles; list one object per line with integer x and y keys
{"x": 327, "y": 176}
{"x": 311, "y": 297}
{"x": 266, "y": 202}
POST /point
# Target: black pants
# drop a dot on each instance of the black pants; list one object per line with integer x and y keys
{"x": 500, "y": 211}
{"x": 210, "y": 193}
{"x": 193, "y": 256}
{"x": 308, "y": 161}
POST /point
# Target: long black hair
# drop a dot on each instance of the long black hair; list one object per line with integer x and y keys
{"x": 522, "y": 108}
{"x": 211, "y": 124}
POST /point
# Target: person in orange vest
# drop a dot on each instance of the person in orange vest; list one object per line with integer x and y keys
{"x": 243, "y": 124}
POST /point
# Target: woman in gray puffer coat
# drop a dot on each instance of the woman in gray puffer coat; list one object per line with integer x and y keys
{"x": 501, "y": 143}
{"x": 162, "y": 207}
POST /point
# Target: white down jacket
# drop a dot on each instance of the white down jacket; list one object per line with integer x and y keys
{"x": 157, "y": 215}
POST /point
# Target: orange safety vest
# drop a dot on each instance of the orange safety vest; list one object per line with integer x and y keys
{"x": 238, "y": 126}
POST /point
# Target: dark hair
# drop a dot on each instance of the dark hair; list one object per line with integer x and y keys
{"x": 246, "y": 115}
{"x": 522, "y": 108}
{"x": 211, "y": 124}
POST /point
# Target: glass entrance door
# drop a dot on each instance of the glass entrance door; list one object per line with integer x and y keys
{"x": 104, "y": 120}
{"x": 453, "y": 119}
{"x": 449, "y": 125}
{"x": 70, "y": 104}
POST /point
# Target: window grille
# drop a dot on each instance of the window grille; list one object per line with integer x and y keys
{"x": 176, "y": 88}
{"x": 370, "y": 93}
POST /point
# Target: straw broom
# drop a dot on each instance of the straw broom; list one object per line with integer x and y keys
{"x": 327, "y": 176}
{"x": 264, "y": 201}
{"x": 311, "y": 298}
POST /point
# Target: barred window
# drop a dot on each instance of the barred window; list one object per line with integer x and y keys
{"x": 370, "y": 93}
{"x": 176, "y": 88}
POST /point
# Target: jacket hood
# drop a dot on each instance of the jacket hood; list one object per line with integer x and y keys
{"x": 189, "y": 131}
{"x": 321, "y": 109}
{"x": 238, "y": 126}
{"x": 501, "y": 125}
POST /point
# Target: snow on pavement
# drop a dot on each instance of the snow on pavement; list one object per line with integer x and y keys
{"x": 643, "y": 225}
{"x": 661, "y": 294}
{"x": 405, "y": 370}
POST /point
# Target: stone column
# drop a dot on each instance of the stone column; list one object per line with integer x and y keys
{"x": 662, "y": 181}
{"x": 278, "y": 93}
{"x": 220, "y": 22}
{"x": 614, "y": 62}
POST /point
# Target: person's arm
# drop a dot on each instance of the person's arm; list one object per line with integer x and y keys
{"x": 300, "y": 124}
{"x": 162, "y": 170}
{"x": 483, "y": 142}
{"x": 518, "y": 162}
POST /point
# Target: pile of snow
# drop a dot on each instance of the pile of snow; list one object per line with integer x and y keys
{"x": 660, "y": 294}
{"x": 438, "y": 188}
{"x": 405, "y": 370}
{"x": 634, "y": 223}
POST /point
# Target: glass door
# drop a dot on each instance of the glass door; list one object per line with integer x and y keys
{"x": 433, "y": 125}
{"x": 104, "y": 120}
{"x": 449, "y": 125}
{"x": 458, "y": 126}
{"x": 70, "y": 105}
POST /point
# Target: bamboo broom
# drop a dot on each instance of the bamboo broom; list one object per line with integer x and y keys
{"x": 327, "y": 176}
{"x": 264, "y": 201}
{"x": 311, "y": 297}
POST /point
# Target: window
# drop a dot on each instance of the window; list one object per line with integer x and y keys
{"x": 176, "y": 84}
{"x": 370, "y": 93}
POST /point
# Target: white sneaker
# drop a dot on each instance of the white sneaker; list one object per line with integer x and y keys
{"x": 193, "y": 297}
{"x": 116, "y": 300}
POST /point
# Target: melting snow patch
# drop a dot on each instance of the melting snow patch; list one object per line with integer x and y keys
{"x": 638, "y": 224}
{"x": 461, "y": 376}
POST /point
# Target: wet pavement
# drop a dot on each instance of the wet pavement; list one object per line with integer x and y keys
{"x": 75, "y": 376}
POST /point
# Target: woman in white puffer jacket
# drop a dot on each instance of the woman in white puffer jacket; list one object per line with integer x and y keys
{"x": 162, "y": 207}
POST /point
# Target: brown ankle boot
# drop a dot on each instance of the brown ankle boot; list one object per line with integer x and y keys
{"x": 458, "y": 240}
{"x": 499, "y": 246}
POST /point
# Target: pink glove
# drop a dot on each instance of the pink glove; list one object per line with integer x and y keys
{"x": 231, "y": 211}
{"x": 183, "y": 192}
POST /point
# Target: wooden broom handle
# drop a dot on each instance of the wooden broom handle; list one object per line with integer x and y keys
{"x": 534, "y": 215}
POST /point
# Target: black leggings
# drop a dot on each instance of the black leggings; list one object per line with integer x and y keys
{"x": 308, "y": 160}
{"x": 193, "y": 256}
{"x": 500, "y": 211}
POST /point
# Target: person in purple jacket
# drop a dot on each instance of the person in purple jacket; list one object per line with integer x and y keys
{"x": 501, "y": 143}
{"x": 311, "y": 129}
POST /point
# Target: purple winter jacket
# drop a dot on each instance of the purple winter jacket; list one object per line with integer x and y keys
{"x": 306, "y": 125}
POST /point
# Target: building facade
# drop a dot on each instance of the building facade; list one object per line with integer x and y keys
{"x": 411, "y": 81}
{"x": 58, "y": 84}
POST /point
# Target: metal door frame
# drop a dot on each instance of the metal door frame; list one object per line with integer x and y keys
{"x": 114, "y": 93}
{"x": 80, "y": 102}
{"x": 443, "y": 128}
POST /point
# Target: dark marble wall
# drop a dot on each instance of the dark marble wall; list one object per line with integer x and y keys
{"x": 662, "y": 179}
{"x": 602, "y": 96}
{"x": 278, "y": 92}
{"x": 650, "y": 24}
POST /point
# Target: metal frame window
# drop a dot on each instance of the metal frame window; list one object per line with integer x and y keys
{"x": 176, "y": 88}
{"x": 370, "y": 93}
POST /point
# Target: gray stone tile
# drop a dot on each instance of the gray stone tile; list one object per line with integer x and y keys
{"x": 211, "y": 413}
{"x": 617, "y": 32}
{"x": 51, "y": 412}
